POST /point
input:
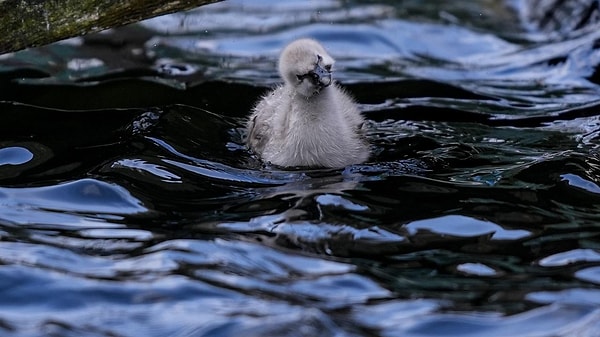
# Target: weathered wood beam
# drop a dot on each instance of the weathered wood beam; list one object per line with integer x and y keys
{"x": 30, "y": 23}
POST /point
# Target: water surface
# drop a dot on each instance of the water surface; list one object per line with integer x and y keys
{"x": 129, "y": 205}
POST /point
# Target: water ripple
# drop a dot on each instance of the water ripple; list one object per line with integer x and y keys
{"x": 82, "y": 196}
{"x": 129, "y": 204}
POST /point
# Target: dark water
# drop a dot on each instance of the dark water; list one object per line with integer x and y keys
{"x": 130, "y": 207}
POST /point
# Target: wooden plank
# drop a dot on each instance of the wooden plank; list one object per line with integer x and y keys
{"x": 30, "y": 23}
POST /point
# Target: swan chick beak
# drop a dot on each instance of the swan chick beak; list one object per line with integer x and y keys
{"x": 319, "y": 76}
{"x": 322, "y": 75}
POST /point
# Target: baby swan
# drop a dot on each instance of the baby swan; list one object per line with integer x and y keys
{"x": 308, "y": 121}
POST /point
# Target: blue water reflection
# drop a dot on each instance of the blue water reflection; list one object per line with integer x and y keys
{"x": 81, "y": 196}
{"x": 15, "y": 155}
{"x": 130, "y": 206}
{"x": 456, "y": 225}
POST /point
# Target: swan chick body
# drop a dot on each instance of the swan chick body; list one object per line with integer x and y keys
{"x": 309, "y": 121}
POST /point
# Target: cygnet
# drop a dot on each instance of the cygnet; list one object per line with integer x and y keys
{"x": 309, "y": 121}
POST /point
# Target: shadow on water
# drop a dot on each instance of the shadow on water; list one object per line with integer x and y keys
{"x": 129, "y": 204}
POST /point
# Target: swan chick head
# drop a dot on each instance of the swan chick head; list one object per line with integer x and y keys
{"x": 305, "y": 65}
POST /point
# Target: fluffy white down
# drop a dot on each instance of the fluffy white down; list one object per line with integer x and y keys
{"x": 305, "y": 124}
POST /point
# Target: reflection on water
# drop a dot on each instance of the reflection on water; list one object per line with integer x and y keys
{"x": 129, "y": 205}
